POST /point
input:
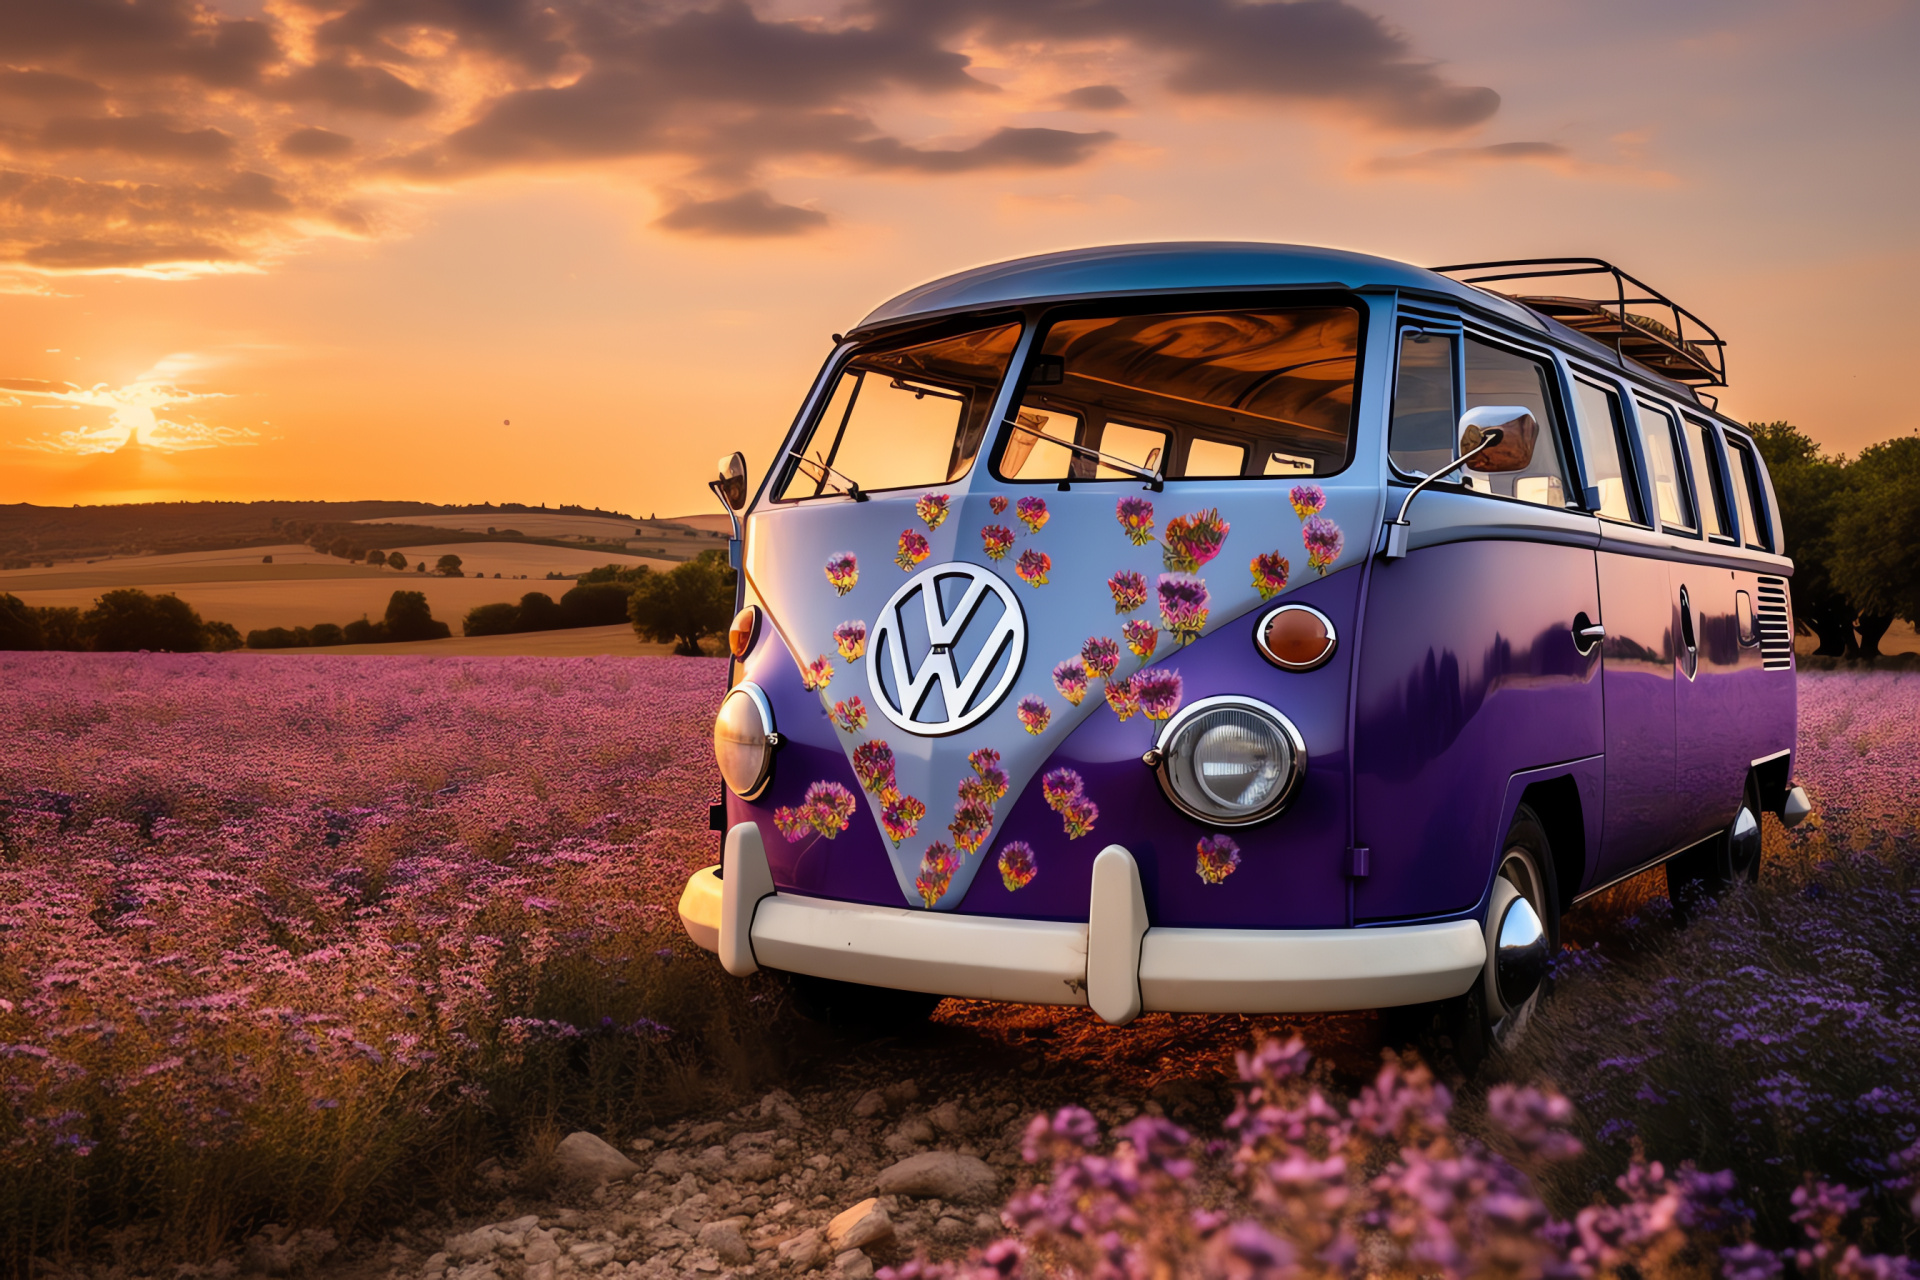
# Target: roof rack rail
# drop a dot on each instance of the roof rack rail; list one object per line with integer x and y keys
{"x": 1697, "y": 359}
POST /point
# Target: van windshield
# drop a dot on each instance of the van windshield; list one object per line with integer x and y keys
{"x": 902, "y": 414}
{"x": 1191, "y": 395}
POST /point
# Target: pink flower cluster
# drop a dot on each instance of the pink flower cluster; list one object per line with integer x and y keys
{"x": 850, "y": 714}
{"x": 826, "y": 808}
{"x": 1065, "y": 793}
{"x": 912, "y": 550}
{"x": 937, "y": 866}
{"x": 1219, "y": 855}
{"x": 1017, "y": 866}
{"x": 850, "y": 638}
{"x": 996, "y": 540}
{"x": 817, "y": 674}
{"x": 932, "y": 508}
{"x": 1142, "y": 637}
{"x": 1031, "y": 512}
{"x": 1158, "y": 691}
{"x": 1100, "y": 655}
{"x": 1034, "y": 714}
{"x": 1033, "y": 566}
{"x": 1184, "y": 602}
{"x": 1324, "y": 542}
{"x": 1193, "y": 540}
{"x": 843, "y": 571}
{"x": 1122, "y": 698}
{"x": 973, "y": 816}
{"x": 1136, "y": 517}
{"x": 1129, "y": 590}
{"x": 1070, "y": 678}
{"x": 1270, "y": 570}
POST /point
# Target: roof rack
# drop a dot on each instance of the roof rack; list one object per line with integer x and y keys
{"x": 1697, "y": 358}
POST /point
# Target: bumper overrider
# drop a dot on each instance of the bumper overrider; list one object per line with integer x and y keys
{"x": 1115, "y": 962}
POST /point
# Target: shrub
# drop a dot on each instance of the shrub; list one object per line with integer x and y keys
{"x": 361, "y": 631}
{"x": 410, "y": 618}
{"x": 491, "y": 620}
{"x": 19, "y": 624}
{"x": 448, "y": 565}
{"x": 60, "y": 625}
{"x": 397, "y": 561}
{"x": 323, "y": 634}
{"x": 598, "y": 604}
{"x": 221, "y": 637}
{"x": 129, "y": 618}
{"x": 276, "y": 638}
{"x": 538, "y": 612}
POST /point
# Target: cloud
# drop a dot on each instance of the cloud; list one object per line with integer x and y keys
{"x": 149, "y": 136}
{"x": 145, "y": 411}
{"x": 352, "y": 88}
{"x": 313, "y": 143}
{"x": 1095, "y": 97}
{"x": 1443, "y": 159}
{"x": 50, "y": 87}
{"x": 748, "y": 215}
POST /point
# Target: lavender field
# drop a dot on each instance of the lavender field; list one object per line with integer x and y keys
{"x": 291, "y": 938}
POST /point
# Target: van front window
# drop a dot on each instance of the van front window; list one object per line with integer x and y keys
{"x": 903, "y": 414}
{"x": 1188, "y": 395}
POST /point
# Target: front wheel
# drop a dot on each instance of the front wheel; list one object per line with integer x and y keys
{"x": 1728, "y": 859}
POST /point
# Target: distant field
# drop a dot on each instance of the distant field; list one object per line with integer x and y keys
{"x": 579, "y": 642}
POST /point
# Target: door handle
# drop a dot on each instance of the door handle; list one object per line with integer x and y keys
{"x": 1586, "y": 633}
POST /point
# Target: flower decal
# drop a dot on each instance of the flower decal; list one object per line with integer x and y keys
{"x": 901, "y": 817}
{"x": 996, "y": 540}
{"x": 827, "y": 808}
{"x": 972, "y": 824}
{"x": 1065, "y": 793}
{"x": 1034, "y": 714}
{"x": 1307, "y": 499}
{"x": 1032, "y": 513}
{"x": 989, "y": 781}
{"x": 1142, "y": 637}
{"x": 851, "y": 639}
{"x": 1017, "y": 868}
{"x": 850, "y": 714}
{"x": 1219, "y": 855}
{"x": 1324, "y": 542}
{"x": 1158, "y": 691}
{"x": 998, "y": 503}
{"x": 1101, "y": 655}
{"x": 937, "y": 866}
{"x": 1183, "y": 605}
{"x": 1136, "y": 517}
{"x": 1270, "y": 570}
{"x": 1193, "y": 540}
{"x": 1070, "y": 678}
{"x": 913, "y": 549}
{"x": 816, "y": 674}
{"x": 1033, "y": 566}
{"x": 1122, "y": 698}
{"x": 873, "y": 766}
{"x": 932, "y": 508}
{"x": 843, "y": 570}
{"x": 1129, "y": 591}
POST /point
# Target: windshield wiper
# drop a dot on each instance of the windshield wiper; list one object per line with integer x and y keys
{"x": 1153, "y": 478}
{"x": 850, "y": 486}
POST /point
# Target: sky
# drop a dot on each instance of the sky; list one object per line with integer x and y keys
{"x": 571, "y": 251}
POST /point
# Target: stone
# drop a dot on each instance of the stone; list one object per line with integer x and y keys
{"x": 852, "y": 1265}
{"x": 762, "y": 1138}
{"x": 436, "y": 1265}
{"x": 949, "y": 1229}
{"x": 753, "y": 1166}
{"x": 804, "y": 1251}
{"x": 779, "y": 1105}
{"x": 727, "y": 1243}
{"x": 871, "y": 1104}
{"x": 544, "y": 1270}
{"x": 947, "y": 1118}
{"x": 670, "y": 1164}
{"x": 690, "y": 1214}
{"x": 865, "y": 1223}
{"x": 540, "y": 1247}
{"x": 945, "y": 1174}
{"x": 900, "y": 1094}
{"x": 583, "y": 1157}
{"x": 279, "y": 1250}
{"x": 591, "y": 1253}
{"x": 701, "y": 1132}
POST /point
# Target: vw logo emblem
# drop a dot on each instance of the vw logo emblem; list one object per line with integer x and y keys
{"x": 946, "y": 649}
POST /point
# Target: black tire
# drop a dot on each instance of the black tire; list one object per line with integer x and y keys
{"x": 1710, "y": 870}
{"x": 1455, "y": 1035}
{"x": 857, "y": 1009}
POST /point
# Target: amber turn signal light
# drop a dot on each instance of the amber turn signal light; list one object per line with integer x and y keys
{"x": 744, "y": 631}
{"x": 1296, "y": 637}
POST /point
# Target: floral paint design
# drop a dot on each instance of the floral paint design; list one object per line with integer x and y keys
{"x": 932, "y": 508}
{"x": 1129, "y": 591}
{"x": 996, "y": 540}
{"x": 913, "y": 549}
{"x": 1183, "y": 605}
{"x": 901, "y": 816}
{"x": 1158, "y": 692}
{"x": 1270, "y": 570}
{"x": 989, "y": 781}
{"x": 1032, "y": 512}
{"x": 937, "y": 866}
{"x": 1033, "y": 566}
{"x": 850, "y": 715}
{"x": 873, "y": 766}
{"x": 1193, "y": 540}
{"x": 1034, "y": 714}
{"x": 817, "y": 674}
{"x": 1142, "y": 637}
{"x": 998, "y": 503}
{"x": 972, "y": 824}
{"x": 1066, "y": 795}
{"x": 1219, "y": 855}
{"x": 1136, "y": 517}
{"x": 827, "y": 808}
{"x": 843, "y": 571}
{"x": 1307, "y": 499}
{"x": 1324, "y": 543}
{"x": 1122, "y": 698}
{"x": 850, "y": 638}
{"x": 1017, "y": 868}
{"x": 1070, "y": 678}
{"x": 1100, "y": 656}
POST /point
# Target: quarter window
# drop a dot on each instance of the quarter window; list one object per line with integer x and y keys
{"x": 1670, "y": 497}
{"x": 1746, "y": 492}
{"x": 1706, "y": 478}
{"x": 1610, "y": 488}
{"x": 1420, "y": 440}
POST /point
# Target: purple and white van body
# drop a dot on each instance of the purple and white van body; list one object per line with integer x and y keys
{"x": 1085, "y": 658}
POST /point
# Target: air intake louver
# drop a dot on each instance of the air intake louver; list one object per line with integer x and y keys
{"x": 1776, "y": 625}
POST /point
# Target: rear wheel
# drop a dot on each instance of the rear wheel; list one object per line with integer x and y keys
{"x": 1730, "y": 858}
{"x": 858, "y": 1009}
{"x": 1523, "y": 932}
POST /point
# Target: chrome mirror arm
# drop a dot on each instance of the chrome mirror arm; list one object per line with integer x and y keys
{"x": 718, "y": 492}
{"x": 1399, "y": 528}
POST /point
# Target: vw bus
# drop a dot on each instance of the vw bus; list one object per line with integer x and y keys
{"x": 1243, "y": 628}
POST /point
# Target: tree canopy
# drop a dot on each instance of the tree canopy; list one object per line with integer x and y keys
{"x": 685, "y": 605}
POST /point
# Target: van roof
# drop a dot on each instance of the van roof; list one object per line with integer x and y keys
{"x": 1199, "y": 265}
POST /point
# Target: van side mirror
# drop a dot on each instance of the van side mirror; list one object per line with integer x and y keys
{"x": 732, "y": 484}
{"x": 1512, "y": 451}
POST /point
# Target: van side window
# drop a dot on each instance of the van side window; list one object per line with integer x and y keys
{"x": 1611, "y": 491}
{"x": 903, "y": 414}
{"x": 1205, "y": 394}
{"x": 1706, "y": 478}
{"x": 1496, "y": 376}
{"x": 1671, "y": 501}
{"x": 1420, "y": 440}
{"x": 1746, "y": 493}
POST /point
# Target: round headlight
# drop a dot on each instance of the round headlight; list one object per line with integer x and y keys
{"x": 1230, "y": 762}
{"x": 743, "y": 740}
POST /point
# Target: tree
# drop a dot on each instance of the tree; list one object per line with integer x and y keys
{"x": 596, "y": 604}
{"x": 1810, "y": 487}
{"x": 491, "y": 620}
{"x": 409, "y": 618}
{"x": 342, "y": 548}
{"x": 220, "y": 637}
{"x": 61, "y": 627}
{"x": 325, "y": 633}
{"x": 377, "y": 558}
{"x": 538, "y": 612}
{"x": 19, "y": 624}
{"x": 694, "y": 600}
{"x": 448, "y": 566}
{"x": 1876, "y": 534}
{"x": 397, "y": 561}
{"x": 128, "y": 619}
{"x": 361, "y": 631}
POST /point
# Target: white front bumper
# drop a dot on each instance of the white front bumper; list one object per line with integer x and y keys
{"x": 1115, "y": 961}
